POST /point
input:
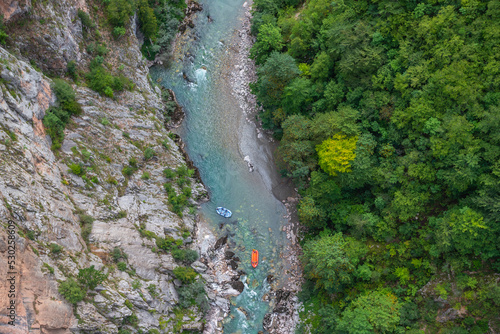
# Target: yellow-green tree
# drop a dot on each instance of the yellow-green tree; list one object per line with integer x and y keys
{"x": 336, "y": 153}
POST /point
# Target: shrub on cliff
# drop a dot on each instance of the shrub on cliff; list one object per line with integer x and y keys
{"x": 103, "y": 82}
{"x": 185, "y": 275}
{"x": 3, "y": 34}
{"x": 70, "y": 290}
{"x": 58, "y": 116}
{"x": 90, "y": 278}
{"x": 119, "y": 12}
{"x": 193, "y": 294}
{"x": 185, "y": 255}
{"x": 86, "y": 20}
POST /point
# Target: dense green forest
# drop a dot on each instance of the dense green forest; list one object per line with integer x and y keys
{"x": 388, "y": 115}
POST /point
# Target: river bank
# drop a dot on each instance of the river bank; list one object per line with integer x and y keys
{"x": 284, "y": 316}
{"x": 210, "y": 74}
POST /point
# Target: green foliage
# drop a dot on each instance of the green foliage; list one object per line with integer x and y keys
{"x": 136, "y": 284}
{"x": 131, "y": 168}
{"x": 72, "y": 69}
{"x": 71, "y": 291}
{"x": 119, "y": 32}
{"x": 375, "y": 312}
{"x": 145, "y": 176}
{"x": 90, "y": 278}
{"x": 152, "y": 290}
{"x": 193, "y": 294}
{"x": 159, "y": 22}
{"x": 132, "y": 319}
{"x": 118, "y": 254}
{"x": 55, "y": 248}
{"x": 119, "y": 12}
{"x": 122, "y": 266}
{"x": 86, "y": 222}
{"x": 100, "y": 80}
{"x": 49, "y": 268}
{"x": 185, "y": 255}
{"x": 177, "y": 202}
{"x": 185, "y": 171}
{"x": 86, "y": 20}
{"x": 168, "y": 243}
{"x": 149, "y": 153}
{"x": 274, "y": 75}
{"x": 77, "y": 169}
{"x": 268, "y": 40}
{"x": 336, "y": 153}
{"x": 412, "y": 88}
{"x": 326, "y": 261}
{"x": 3, "y": 35}
{"x": 57, "y": 117}
{"x": 147, "y": 20}
{"x": 186, "y": 275}
{"x": 169, "y": 173}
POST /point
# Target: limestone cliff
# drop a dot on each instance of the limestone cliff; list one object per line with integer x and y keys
{"x": 51, "y": 206}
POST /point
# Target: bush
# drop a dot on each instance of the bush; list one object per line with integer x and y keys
{"x": 149, "y": 153}
{"x": 182, "y": 181}
{"x": 3, "y": 34}
{"x": 102, "y": 81}
{"x": 57, "y": 117}
{"x": 185, "y": 255}
{"x": 145, "y": 176}
{"x": 90, "y": 277}
{"x": 118, "y": 254}
{"x": 136, "y": 284}
{"x": 132, "y": 319}
{"x": 119, "y": 32}
{"x": 169, "y": 173}
{"x": 72, "y": 70}
{"x": 86, "y": 20}
{"x": 185, "y": 171}
{"x": 122, "y": 266}
{"x": 193, "y": 294}
{"x": 128, "y": 170}
{"x": 86, "y": 225}
{"x": 104, "y": 121}
{"x": 76, "y": 169}
{"x": 185, "y": 275}
{"x": 119, "y": 12}
{"x": 30, "y": 234}
{"x": 86, "y": 230}
{"x": 55, "y": 248}
{"x": 166, "y": 243}
{"x": 112, "y": 180}
{"x": 187, "y": 191}
{"x": 121, "y": 214}
{"x": 86, "y": 219}
{"x": 70, "y": 290}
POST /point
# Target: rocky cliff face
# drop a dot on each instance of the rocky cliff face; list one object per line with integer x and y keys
{"x": 51, "y": 206}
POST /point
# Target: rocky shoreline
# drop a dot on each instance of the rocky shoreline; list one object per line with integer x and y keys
{"x": 217, "y": 264}
{"x": 284, "y": 317}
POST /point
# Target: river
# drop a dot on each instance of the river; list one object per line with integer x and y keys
{"x": 218, "y": 135}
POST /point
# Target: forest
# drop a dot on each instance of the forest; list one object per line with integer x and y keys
{"x": 388, "y": 116}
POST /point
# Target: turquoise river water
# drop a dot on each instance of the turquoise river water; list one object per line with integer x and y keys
{"x": 217, "y": 137}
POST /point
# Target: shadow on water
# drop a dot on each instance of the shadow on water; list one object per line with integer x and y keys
{"x": 213, "y": 131}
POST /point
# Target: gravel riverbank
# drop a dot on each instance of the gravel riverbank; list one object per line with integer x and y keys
{"x": 284, "y": 317}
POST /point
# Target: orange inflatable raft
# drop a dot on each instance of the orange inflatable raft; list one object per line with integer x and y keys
{"x": 255, "y": 258}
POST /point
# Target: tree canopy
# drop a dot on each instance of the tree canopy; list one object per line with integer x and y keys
{"x": 387, "y": 114}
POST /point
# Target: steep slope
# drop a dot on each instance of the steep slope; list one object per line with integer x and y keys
{"x": 98, "y": 201}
